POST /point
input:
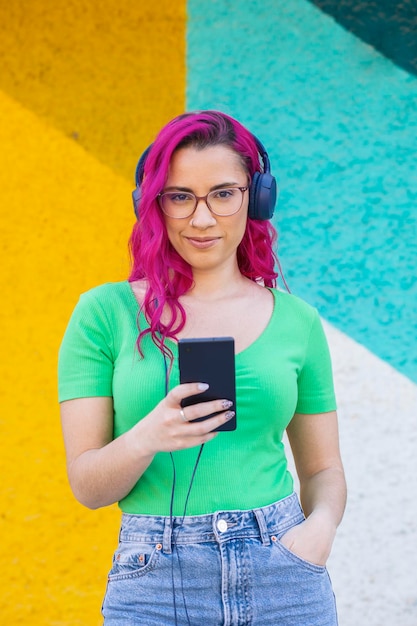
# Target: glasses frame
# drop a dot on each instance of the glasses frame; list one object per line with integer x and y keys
{"x": 197, "y": 200}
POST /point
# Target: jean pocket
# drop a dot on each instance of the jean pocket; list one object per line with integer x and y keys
{"x": 295, "y": 559}
{"x": 132, "y": 560}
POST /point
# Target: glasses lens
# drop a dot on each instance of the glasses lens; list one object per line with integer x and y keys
{"x": 177, "y": 203}
{"x": 225, "y": 201}
{"x": 220, "y": 201}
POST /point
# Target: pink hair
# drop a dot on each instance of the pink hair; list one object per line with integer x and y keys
{"x": 167, "y": 275}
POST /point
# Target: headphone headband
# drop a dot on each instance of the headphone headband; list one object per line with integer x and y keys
{"x": 264, "y": 155}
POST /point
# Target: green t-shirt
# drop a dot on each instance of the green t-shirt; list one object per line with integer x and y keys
{"x": 286, "y": 370}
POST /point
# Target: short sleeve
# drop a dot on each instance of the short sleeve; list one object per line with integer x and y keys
{"x": 315, "y": 381}
{"x": 85, "y": 362}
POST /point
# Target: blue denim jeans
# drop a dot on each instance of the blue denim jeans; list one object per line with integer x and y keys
{"x": 225, "y": 569}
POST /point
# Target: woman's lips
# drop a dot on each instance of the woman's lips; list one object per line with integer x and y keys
{"x": 203, "y": 242}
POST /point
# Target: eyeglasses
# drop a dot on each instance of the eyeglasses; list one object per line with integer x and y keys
{"x": 181, "y": 204}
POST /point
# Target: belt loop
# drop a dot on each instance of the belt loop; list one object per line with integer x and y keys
{"x": 167, "y": 537}
{"x": 260, "y": 518}
{"x": 121, "y": 527}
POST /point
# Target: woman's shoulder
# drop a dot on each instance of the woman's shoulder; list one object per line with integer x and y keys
{"x": 106, "y": 290}
{"x": 107, "y": 305}
{"x": 293, "y": 305}
{"x": 108, "y": 296}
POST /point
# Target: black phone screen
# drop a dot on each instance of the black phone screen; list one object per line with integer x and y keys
{"x": 209, "y": 360}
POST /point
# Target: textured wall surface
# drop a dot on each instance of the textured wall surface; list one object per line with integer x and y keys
{"x": 391, "y": 27}
{"x": 339, "y": 121}
{"x": 105, "y": 75}
{"x": 83, "y": 90}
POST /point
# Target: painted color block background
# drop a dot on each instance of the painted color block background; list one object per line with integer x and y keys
{"x": 339, "y": 122}
{"x": 83, "y": 89}
{"x": 388, "y": 26}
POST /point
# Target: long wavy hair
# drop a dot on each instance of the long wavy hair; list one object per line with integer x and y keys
{"x": 154, "y": 259}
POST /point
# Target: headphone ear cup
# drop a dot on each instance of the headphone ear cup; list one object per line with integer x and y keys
{"x": 252, "y": 196}
{"x": 136, "y": 196}
{"x": 140, "y": 169}
{"x": 262, "y": 196}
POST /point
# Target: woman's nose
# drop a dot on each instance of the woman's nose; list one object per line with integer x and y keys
{"x": 202, "y": 216}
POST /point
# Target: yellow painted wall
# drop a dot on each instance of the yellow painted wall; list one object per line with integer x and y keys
{"x": 83, "y": 88}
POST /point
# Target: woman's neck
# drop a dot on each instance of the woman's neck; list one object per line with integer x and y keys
{"x": 217, "y": 284}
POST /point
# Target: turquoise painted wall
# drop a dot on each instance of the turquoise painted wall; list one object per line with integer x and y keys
{"x": 390, "y": 27}
{"x": 339, "y": 121}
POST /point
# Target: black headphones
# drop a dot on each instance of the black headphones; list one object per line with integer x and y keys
{"x": 262, "y": 191}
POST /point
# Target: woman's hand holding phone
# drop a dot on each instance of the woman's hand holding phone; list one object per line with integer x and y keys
{"x": 171, "y": 426}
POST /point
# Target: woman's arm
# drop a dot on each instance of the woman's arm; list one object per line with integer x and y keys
{"x": 314, "y": 441}
{"x": 101, "y": 470}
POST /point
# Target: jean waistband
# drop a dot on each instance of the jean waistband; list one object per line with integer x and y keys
{"x": 219, "y": 526}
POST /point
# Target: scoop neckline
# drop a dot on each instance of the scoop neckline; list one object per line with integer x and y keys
{"x": 260, "y": 337}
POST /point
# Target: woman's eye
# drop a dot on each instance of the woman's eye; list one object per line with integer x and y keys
{"x": 224, "y": 194}
{"x": 180, "y": 198}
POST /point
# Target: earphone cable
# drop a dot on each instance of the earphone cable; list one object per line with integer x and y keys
{"x": 175, "y": 535}
{"x": 171, "y": 512}
{"x": 171, "y": 509}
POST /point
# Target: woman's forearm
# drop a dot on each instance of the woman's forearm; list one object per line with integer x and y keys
{"x": 324, "y": 494}
{"x": 101, "y": 470}
{"x": 102, "y": 476}
{"x": 323, "y": 497}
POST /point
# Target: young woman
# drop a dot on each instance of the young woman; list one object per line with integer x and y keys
{"x": 211, "y": 536}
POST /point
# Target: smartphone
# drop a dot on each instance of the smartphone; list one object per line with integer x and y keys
{"x": 209, "y": 360}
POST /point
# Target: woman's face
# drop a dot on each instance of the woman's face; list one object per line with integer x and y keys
{"x": 207, "y": 241}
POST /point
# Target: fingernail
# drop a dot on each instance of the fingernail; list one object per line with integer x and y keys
{"x": 202, "y": 386}
{"x": 226, "y": 404}
{"x": 229, "y": 414}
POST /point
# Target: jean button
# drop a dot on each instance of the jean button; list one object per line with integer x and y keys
{"x": 222, "y": 525}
